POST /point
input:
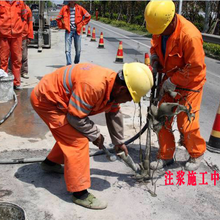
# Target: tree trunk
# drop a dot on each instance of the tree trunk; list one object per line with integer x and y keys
{"x": 207, "y": 16}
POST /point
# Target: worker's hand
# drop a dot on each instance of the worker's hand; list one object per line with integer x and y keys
{"x": 121, "y": 147}
{"x": 154, "y": 62}
{"x": 99, "y": 141}
{"x": 167, "y": 86}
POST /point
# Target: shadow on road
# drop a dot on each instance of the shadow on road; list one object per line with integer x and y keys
{"x": 54, "y": 183}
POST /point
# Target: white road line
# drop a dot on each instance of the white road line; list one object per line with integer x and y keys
{"x": 122, "y": 35}
{"x": 209, "y": 72}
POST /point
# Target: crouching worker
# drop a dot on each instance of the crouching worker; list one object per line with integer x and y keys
{"x": 65, "y": 98}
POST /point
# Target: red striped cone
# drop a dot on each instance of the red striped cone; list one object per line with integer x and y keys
{"x": 214, "y": 140}
{"x": 84, "y": 29}
{"x": 101, "y": 41}
{"x": 88, "y": 32}
{"x": 119, "y": 56}
{"x": 93, "y": 35}
{"x": 147, "y": 61}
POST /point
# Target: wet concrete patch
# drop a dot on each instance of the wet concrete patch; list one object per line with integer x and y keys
{"x": 24, "y": 121}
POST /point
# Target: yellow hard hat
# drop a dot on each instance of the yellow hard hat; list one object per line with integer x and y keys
{"x": 138, "y": 78}
{"x": 158, "y": 15}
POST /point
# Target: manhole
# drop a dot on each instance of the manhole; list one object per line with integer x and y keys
{"x": 10, "y": 211}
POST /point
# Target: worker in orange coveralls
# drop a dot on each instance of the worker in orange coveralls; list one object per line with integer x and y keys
{"x": 177, "y": 47}
{"x": 27, "y": 35}
{"x": 65, "y": 98}
{"x": 72, "y": 17}
{"x": 12, "y": 14}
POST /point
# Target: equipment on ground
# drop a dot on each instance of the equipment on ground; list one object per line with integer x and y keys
{"x": 41, "y": 26}
{"x": 109, "y": 156}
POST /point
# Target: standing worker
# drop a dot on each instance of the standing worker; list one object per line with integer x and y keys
{"x": 72, "y": 18}
{"x": 12, "y": 14}
{"x": 65, "y": 98}
{"x": 177, "y": 48}
{"x": 27, "y": 35}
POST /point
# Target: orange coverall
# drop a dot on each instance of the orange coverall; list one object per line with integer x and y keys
{"x": 28, "y": 24}
{"x": 82, "y": 17}
{"x": 79, "y": 90}
{"x": 27, "y": 34}
{"x": 184, "y": 64}
{"x": 11, "y": 28}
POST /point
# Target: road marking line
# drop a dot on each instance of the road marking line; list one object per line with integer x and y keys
{"x": 122, "y": 35}
{"x": 209, "y": 72}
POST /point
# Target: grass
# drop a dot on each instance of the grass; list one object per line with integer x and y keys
{"x": 211, "y": 50}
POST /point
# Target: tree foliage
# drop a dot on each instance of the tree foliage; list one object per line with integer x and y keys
{"x": 132, "y": 12}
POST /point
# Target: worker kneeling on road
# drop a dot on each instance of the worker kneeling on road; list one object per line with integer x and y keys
{"x": 177, "y": 51}
{"x": 65, "y": 98}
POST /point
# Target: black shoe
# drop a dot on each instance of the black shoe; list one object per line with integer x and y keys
{"x": 57, "y": 168}
{"x": 17, "y": 88}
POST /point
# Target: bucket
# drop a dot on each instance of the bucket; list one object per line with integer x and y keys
{"x": 10, "y": 211}
{"x": 6, "y": 88}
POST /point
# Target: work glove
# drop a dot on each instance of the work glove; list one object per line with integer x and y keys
{"x": 99, "y": 141}
{"x": 167, "y": 86}
{"x": 121, "y": 147}
{"x": 154, "y": 62}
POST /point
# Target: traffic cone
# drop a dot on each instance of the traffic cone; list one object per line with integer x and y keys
{"x": 214, "y": 140}
{"x": 93, "y": 35}
{"x": 88, "y": 32}
{"x": 119, "y": 56}
{"x": 101, "y": 41}
{"x": 84, "y": 29}
{"x": 147, "y": 61}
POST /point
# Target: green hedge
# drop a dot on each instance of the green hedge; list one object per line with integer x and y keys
{"x": 211, "y": 50}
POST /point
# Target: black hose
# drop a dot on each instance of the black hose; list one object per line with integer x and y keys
{"x": 137, "y": 135}
{"x": 11, "y": 110}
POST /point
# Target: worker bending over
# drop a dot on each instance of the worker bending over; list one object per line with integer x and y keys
{"x": 177, "y": 51}
{"x": 65, "y": 98}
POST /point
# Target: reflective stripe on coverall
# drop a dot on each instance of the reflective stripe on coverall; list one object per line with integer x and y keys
{"x": 184, "y": 64}
{"x": 79, "y": 90}
{"x": 82, "y": 17}
{"x": 11, "y": 27}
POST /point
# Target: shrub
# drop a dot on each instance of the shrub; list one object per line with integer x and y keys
{"x": 212, "y": 50}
